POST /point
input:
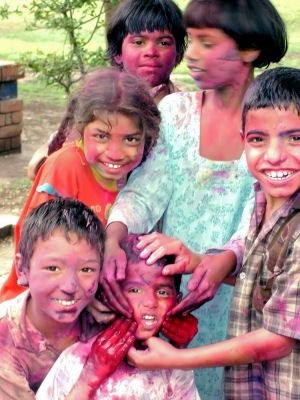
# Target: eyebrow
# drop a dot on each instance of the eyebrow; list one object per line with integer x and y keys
{"x": 282, "y": 133}
{"x": 159, "y": 285}
{"x": 127, "y": 134}
{"x": 162, "y": 36}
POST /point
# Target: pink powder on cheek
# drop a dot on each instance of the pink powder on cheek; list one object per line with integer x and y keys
{"x": 224, "y": 67}
{"x": 93, "y": 288}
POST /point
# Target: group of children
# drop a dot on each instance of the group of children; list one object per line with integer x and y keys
{"x": 195, "y": 176}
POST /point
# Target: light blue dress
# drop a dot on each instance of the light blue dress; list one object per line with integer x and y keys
{"x": 204, "y": 203}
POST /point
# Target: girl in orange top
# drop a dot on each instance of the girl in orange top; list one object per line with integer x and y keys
{"x": 118, "y": 123}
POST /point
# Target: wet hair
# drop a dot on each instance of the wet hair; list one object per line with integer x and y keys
{"x": 65, "y": 214}
{"x": 252, "y": 24}
{"x": 276, "y": 88}
{"x": 135, "y": 16}
{"x": 129, "y": 245}
{"x": 113, "y": 91}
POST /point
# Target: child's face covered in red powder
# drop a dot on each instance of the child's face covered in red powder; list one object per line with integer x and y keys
{"x": 150, "y": 56}
{"x": 151, "y": 296}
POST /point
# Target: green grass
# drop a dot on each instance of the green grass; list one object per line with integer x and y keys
{"x": 15, "y": 40}
{"x": 34, "y": 90}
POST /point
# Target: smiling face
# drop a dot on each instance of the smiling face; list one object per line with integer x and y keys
{"x": 113, "y": 149}
{"x": 151, "y": 296}
{"x": 272, "y": 145}
{"x": 150, "y": 56}
{"x": 62, "y": 278}
{"x": 214, "y": 60}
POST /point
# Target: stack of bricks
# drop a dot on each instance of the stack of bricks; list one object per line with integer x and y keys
{"x": 11, "y": 108}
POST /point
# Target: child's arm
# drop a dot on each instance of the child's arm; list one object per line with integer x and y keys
{"x": 257, "y": 346}
{"x": 107, "y": 352}
{"x": 81, "y": 368}
{"x": 114, "y": 270}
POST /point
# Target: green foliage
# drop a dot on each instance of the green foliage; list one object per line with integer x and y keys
{"x": 79, "y": 20}
{"x": 4, "y": 11}
{"x": 62, "y": 69}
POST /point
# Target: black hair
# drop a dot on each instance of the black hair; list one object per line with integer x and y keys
{"x": 252, "y": 24}
{"x": 277, "y": 88}
{"x": 129, "y": 245}
{"x": 66, "y": 214}
{"x": 134, "y": 16}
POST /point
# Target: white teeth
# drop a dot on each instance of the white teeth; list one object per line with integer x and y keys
{"x": 148, "y": 317}
{"x": 66, "y": 303}
{"x": 149, "y": 320}
{"x": 113, "y": 166}
{"x": 279, "y": 175}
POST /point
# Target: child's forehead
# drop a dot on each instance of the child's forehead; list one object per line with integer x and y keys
{"x": 144, "y": 272}
{"x": 273, "y": 117}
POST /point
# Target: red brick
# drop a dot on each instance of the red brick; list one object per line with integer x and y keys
{"x": 10, "y": 130}
{"x": 8, "y": 120}
{"x": 2, "y": 119}
{"x": 16, "y": 117}
{"x": 15, "y": 142}
{"x": 10, "y": 145}
{"x": 10, "y": 71}
{"x": 11, "y": 105}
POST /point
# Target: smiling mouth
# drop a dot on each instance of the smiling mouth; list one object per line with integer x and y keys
{"x": 66, "y": 303}
{"x": 112, "y": 166}
{"x": 279, "y": 175}
{"x": 149, "y": 320}
{"x": 195, "y": 69}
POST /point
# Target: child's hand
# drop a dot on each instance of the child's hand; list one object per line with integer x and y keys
{"x": 159, "y": 354}
{"x": 109, "y": 349}
{"x": 180, "y": 329}
{"x": 206, "y": 280}
{"x": 101, "y": 313}
{"x": 113, "y": 272}
{"x": 156, "y": 245}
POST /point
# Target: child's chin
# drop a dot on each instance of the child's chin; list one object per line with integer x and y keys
{"x": 142, "y": 337}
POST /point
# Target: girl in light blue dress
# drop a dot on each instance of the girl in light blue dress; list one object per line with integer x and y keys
{"x": 196, "y": 180}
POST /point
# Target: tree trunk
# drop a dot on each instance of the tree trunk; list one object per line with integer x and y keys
{"x": 109, "y": 7}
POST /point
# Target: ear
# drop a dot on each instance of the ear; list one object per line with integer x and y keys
{"x": 118, "y": 59}
{"x": 249, "y": 56}
{"x": 21, "y": 272}
{"x": 179, "y": 297}
{"x": 177, "y": 60}
{"x": 242, "y": 135}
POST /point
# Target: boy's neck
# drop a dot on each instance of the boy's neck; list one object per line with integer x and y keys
{"x": 273, "y": 204}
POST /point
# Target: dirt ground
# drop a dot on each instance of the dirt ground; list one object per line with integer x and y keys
{"x": 38, "y": 122}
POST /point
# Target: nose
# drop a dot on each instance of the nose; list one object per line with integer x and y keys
{"x": 69, "y": 282}
{"x": 150, "y": 300}
{"x": 276, "y": 152}
{"x": 114, "y": 151}
{"x": 192, "y": 52}
{"x": 151, "y": 50}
